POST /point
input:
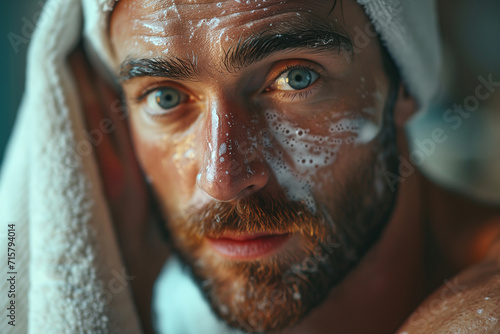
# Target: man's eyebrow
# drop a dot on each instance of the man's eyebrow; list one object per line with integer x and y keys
{"x": 172, "y": 68}
{"x": 242, "y": 54}
{"x": 256, "y": 48}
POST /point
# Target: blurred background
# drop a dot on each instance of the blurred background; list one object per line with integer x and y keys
{"x": 468, "y": 161}
{"x": 17, "y": 22}
{"x": 467, "y": 109}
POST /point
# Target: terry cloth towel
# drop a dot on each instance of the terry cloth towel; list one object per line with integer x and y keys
{"x": 67, "y": 261}
{"x": 69, "y": 271}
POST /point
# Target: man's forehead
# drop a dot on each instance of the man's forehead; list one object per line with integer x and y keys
{"x": 228, "y": 7}
{"x": 159, "y": 17}
{"x": 175, "y": 26}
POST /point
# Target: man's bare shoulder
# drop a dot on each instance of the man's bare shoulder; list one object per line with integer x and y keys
{"x": 468, "y": 303}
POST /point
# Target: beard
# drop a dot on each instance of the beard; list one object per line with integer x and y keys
{"x": 277, "y": 291}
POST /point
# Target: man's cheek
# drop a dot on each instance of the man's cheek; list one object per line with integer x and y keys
{"x": 145, "y": 152}
{"x": 142, "y": 143}
{"x": 154, "y": 160}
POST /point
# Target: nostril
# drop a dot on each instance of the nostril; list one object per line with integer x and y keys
{"x": 248, "y": 191}
{"x": 251, "y": 187}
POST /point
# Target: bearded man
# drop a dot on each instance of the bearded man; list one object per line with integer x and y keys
{"x": 258, "y": 148}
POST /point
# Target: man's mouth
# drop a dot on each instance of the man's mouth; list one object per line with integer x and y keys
{"x": 248, "y": 246}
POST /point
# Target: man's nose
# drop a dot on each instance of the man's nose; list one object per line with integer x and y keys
{"x": 233, "y": 165}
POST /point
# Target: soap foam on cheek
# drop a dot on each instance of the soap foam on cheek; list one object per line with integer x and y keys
{"x": 310, "y": 152}
{"x": 368, "y": 132}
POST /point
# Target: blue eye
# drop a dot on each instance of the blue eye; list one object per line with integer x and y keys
{"x": 299, "y": 78}
{"x": 167, "y": 98}
{"x": 162, "y": 100}
{"x": 296, "y": 79}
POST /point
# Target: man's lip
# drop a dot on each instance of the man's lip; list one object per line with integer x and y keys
{"x": 246, "y": 236}
{"x": 248, "y": 246}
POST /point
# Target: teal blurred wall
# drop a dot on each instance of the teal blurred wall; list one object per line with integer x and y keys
{"x": 16, "y": 22}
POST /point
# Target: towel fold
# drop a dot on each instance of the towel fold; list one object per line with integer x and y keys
{"x": 67, "y": 260}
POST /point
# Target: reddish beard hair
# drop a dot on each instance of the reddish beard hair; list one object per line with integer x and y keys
{"x": 266, "y": 293}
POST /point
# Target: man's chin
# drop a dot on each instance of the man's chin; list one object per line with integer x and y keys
{"x": 270, "y": 292}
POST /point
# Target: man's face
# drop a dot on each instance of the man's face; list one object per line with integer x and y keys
{"x": 265, "y": 138}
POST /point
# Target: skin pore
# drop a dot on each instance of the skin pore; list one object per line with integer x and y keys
{"x": 243, "y": 151}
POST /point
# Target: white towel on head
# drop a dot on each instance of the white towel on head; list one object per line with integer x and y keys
{"x": 69, "y": 269}
{"x": 67, "y": 257}
{"x": 409, "y": 29}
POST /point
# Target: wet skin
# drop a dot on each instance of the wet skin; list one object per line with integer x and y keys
{"x": 185, "y": 135}
{"x": 221, "y": 107}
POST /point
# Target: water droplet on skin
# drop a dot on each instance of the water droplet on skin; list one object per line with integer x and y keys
{"x": 222, "y": 149}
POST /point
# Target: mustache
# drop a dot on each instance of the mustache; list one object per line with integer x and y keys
{"x": 256, "y": 214}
